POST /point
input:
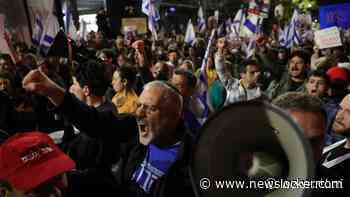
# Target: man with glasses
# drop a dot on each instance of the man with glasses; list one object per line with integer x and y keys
{"x": 155, "y": 163}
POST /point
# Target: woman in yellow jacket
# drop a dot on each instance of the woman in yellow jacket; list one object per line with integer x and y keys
{"x": 123, "y": 82}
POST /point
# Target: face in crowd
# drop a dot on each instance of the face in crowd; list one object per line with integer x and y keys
{"x": 296, "y": 67}
{"x": 158, "y": 113}
{"x": 121, "y": 60}
{"x": 160, "y": 71}
{"x": 251, "y": 75}
{"x": 341, "y": 123}
{"x": 316, "y": 86}
{"x": 172, "y": 57}
{"x": 118, "y": 83}
{"x": 119, "y": 43}
{"x": 4, "y": 84}
{"x": 181, "y": 83}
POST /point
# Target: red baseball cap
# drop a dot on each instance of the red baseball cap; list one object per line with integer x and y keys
{"x": 29, "y": 159}
{"x": 337, "y": 73}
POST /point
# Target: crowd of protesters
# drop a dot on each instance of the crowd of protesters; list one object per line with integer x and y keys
{"x": 123, "y": 109}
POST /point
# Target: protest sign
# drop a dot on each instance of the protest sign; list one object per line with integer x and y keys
{"x": 328, "y": 38}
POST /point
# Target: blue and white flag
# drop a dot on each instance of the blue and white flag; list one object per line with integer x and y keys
{"x": 148, "y": 7}
{"x": 51, "y": 29}
{"x": 201, "y": 20}
{"x": 281, "y": 37}
{"x": 251, "y": 25}
{"x": 44, "y": 32}
{"x": 69, "y": 26}
{"x": 228, "y": 25}
{"x": 250, "y": 50}
{"x": 237, "y": 22}
{"x": 190, "y": 35}
{"x": 202, "y": 91}
{"x": 38, "y": 30}
{"x": 291, "y": 34}
{"x": 252, "y": 21}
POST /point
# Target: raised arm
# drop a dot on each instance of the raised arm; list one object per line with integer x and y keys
{"x": 87, "y": 119}
{"x": 224, "y": 74}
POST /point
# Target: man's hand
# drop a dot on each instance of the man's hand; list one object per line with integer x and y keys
{"x": 37, "y": 82}
{"x": 139, "y": 45}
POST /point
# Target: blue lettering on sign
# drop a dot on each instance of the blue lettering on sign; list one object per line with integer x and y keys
{"x": 335, "y": 15}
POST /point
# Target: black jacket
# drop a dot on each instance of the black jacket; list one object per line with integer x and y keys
{"x": 12, "y": 121}
{"x": 123, "y": 128}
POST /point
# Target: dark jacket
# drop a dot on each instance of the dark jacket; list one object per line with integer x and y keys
{"x": 175, "y": 183}
{"x": 12, "y": 121}
{"x": 89, "y": 152}
{"x": 277, "y": 88}
{"x": 123, "y": 129}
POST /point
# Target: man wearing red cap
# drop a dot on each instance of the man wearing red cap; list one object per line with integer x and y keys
{"x": 339, "y": 80}
{"x": 32, "y": 165}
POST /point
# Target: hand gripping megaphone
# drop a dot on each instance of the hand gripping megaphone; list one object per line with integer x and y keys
{"x": 251, "y": 149}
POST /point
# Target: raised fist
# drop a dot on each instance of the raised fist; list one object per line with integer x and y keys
{"x": 221, "y": 44}
{"x": 37, "y": 82}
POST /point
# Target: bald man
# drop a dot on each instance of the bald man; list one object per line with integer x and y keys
{"x": 155, "y": 163}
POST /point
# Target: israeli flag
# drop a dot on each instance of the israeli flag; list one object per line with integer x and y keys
{"x": 190, "y": 35}
{"x": 202, "y": 91}
{"x": 251, "y": 24}
{"x": 44, "y": 32}
{"x": 281, "y": 37}
{"x": 152, "y": 27}
{"x": 38, "y": 30}
{"x": 228, "y": 24}
{"x": 237, "y": 22}
{"x": 201, "y": 20}
{"x": 70, "y": 29}
{"x": 51, "y": 29}
{"x": 148, "y": 7}
{"x": 291, "y": 34}
{"x": 250, "y": 50}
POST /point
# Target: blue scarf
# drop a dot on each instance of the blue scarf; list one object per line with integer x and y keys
{"x": 155, "y": 165}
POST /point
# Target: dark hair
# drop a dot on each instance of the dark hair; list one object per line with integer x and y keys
{"x": 319, "y": 73}
{"x": 128, "y": 73}
{"x": 92, "y": 74}
{"x": 246, "y": 63}
{"x": 300, "y": 101}
{"x": 109, "y": 53}
{"x": 191, "y": 79}
{"x": 302, "y": 54}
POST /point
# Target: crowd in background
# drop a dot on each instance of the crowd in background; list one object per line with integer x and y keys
{"x": 111, "y": 76}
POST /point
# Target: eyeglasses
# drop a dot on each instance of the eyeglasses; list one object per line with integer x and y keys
{"x": 149, "y": 109}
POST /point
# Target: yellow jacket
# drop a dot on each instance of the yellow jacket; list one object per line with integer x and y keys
{"x": 125, "y": 101}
